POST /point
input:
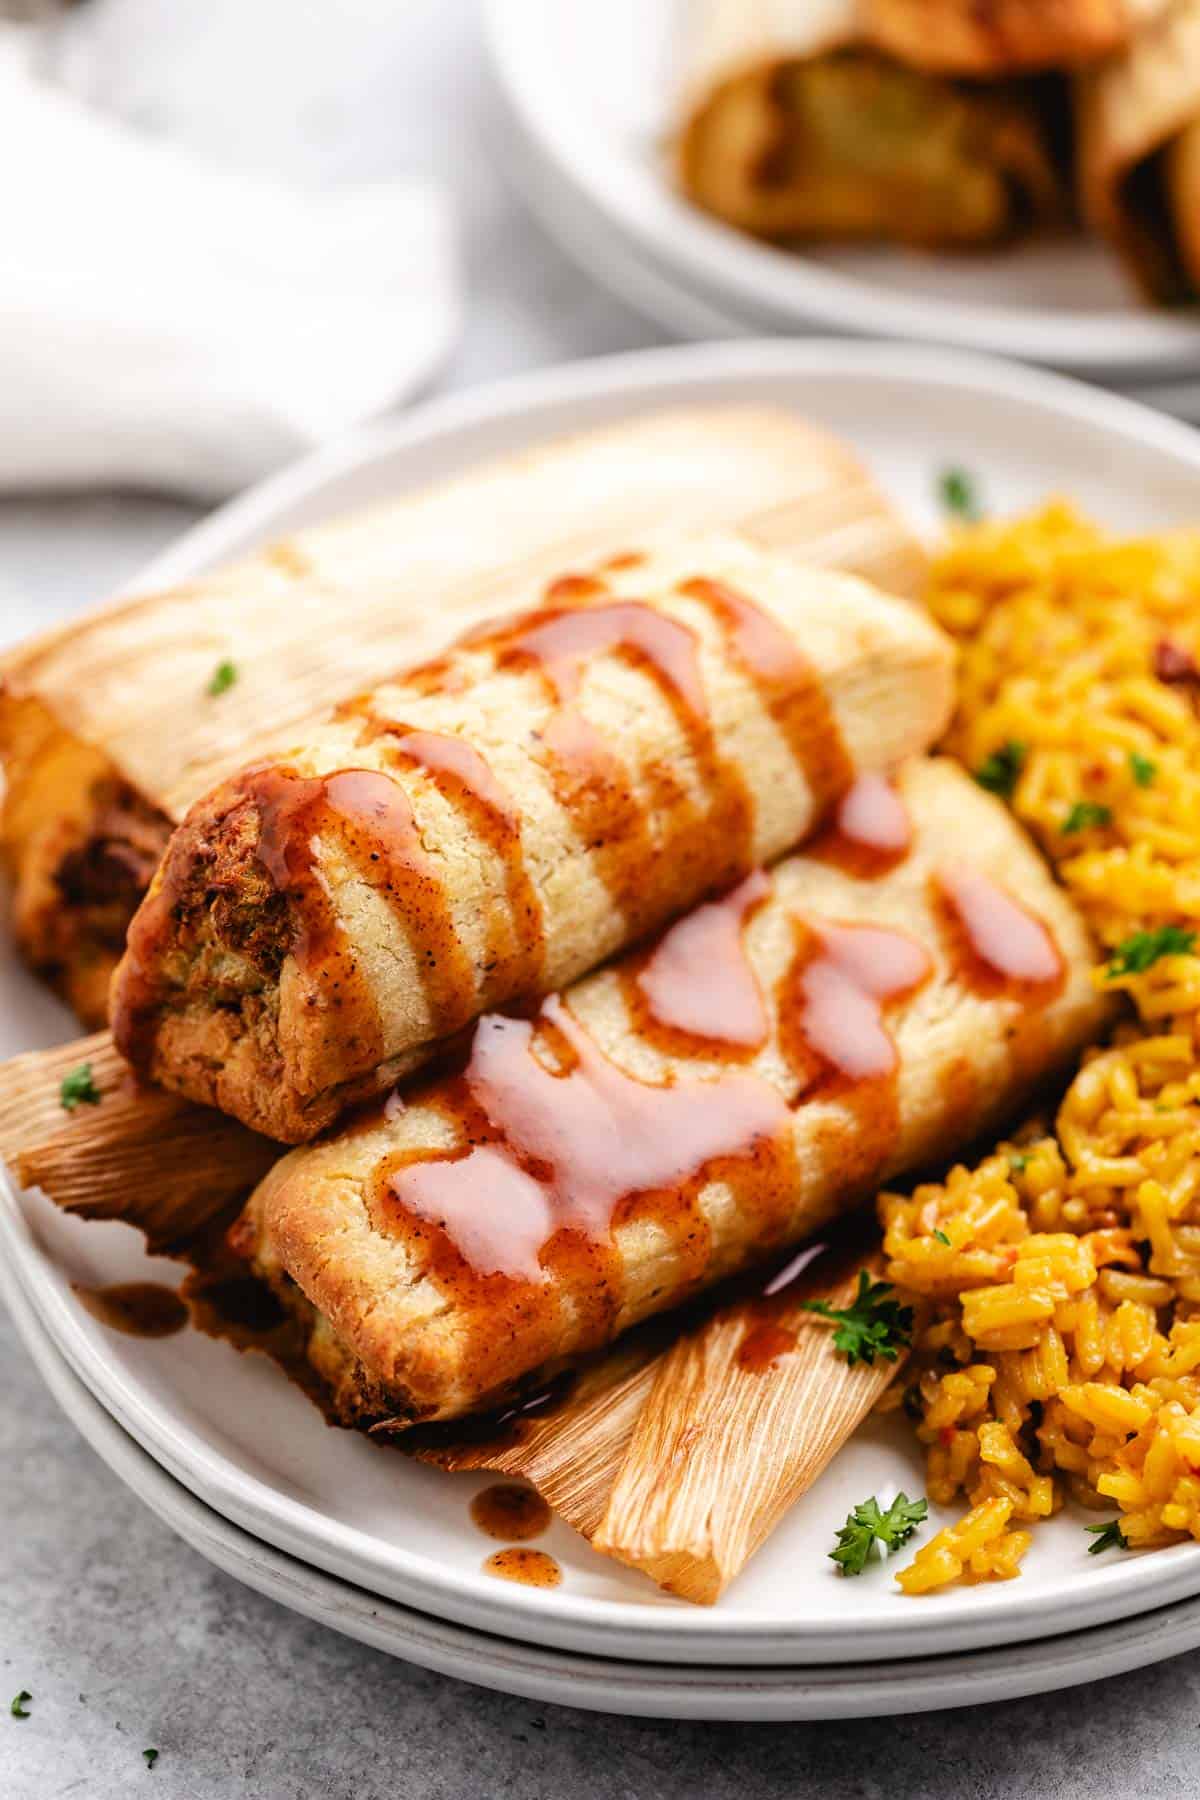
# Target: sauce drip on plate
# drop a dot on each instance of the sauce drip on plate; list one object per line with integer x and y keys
{"x": 532, "y": 1568}
{"x": 505, "y": 1510}
{"x": 145, "y": 1309}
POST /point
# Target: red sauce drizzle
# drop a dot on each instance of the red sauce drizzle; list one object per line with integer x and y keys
{"x": 645, "y": 870}
{"x": 514, "y": 950}
{"x": 763, "y": 1345}
{"x": 999, "y": 946}
{"x": 871, "y": 831}
{"x": 838, "y": 986}
{"x": 791, "y": 688}
{"x": 832, "y": 1003}
{"x": 369, "y": 817}
{"x": 560, "y": 1156}
{"x": 698, "y": 982}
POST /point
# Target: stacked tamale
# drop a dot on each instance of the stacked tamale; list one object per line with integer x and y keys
{"x": 591, "y": 960}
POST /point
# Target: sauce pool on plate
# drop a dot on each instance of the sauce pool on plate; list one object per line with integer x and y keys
{"x": 531, "y": 1568}
{"x": 507, "y": 1511}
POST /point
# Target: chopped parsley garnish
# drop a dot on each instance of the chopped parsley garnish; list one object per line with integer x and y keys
{"x": 998, "y": 772}
{"x": 1141, "y": 951}
{"x": 1142, "y": 768}
{"x": 151, "y": 1757}
{"x": 871, "y": 1325}
{"x": 1108, "y": 1537}
{"x": 1084, "y": 814}
{"x": 868, "y": 1525}
{"x": 1018, "y": 1162}
{"x": 942, "y": 1238}
{"x": 957, "y": 490}
{"x": 77, "y": 1088}
{"x": 223, "y": 677}
{"x": 18, "y": 1709}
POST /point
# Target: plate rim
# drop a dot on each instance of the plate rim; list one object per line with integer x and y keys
{"x": 559, "y": 1677}
{"x": 779, "y": 289}
{"x": 639, "y": 379}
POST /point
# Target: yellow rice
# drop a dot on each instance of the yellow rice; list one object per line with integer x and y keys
{"x": 1057, "y": 1350}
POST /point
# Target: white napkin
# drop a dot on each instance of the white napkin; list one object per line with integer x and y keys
{"x": 165, "y": 323}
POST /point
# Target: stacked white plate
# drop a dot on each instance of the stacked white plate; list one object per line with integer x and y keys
{"x": 587, "y": 109}
{"x": 239, "y": 1462}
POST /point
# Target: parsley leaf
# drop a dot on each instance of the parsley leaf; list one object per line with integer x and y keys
{"x": 870, "y": 1326}
{"x": 957, "y": 490}
{"x": 1083, "y": 815}
{"x": 1018, "y": 1162}
{"x": 151, "y": 1757}
{"x": 1142, "y": 768}
{"x": 1108, "y": 1537}
{"x": 77, "y": 1088}
{"x": 18, "y": 1709}
{"x": 223, "y": 677}
{"x": 941, "y": 1237}
{"x": 998, "y": 772}
{"x": 867, "y": 1525}
{"x": 1141, "y": 951}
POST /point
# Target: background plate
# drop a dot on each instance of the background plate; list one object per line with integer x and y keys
{"x": 592, "y": 88}
{"x": 234, "y": 1432}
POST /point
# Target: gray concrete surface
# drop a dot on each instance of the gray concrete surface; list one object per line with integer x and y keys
{"x": 126, "y": 1638}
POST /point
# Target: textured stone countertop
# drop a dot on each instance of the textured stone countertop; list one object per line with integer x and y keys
{"x": 126, "y": 1637}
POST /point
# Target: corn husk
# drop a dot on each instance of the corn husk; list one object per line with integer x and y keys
{"x": 722, "y": 1448}
{"x": 1139, "y": 153}
{"x": 140, "y": 1155}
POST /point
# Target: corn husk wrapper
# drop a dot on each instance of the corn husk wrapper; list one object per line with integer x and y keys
{"x": 139, "y": 1155}
{"x": 1139, "y": 153}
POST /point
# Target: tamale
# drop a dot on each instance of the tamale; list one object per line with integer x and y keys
{"x": 675, "y": 1117}
{"x": 481, "y": 830}
{"x": 108, "y": 730}
{"x": 1139, "y": 153}
{"x": 798, "y": 125}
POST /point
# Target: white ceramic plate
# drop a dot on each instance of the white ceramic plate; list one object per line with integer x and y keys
{"x": 234, "y": 1432}
{"x": 637, "y": 1689}
{"x": 592, "y": 89}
